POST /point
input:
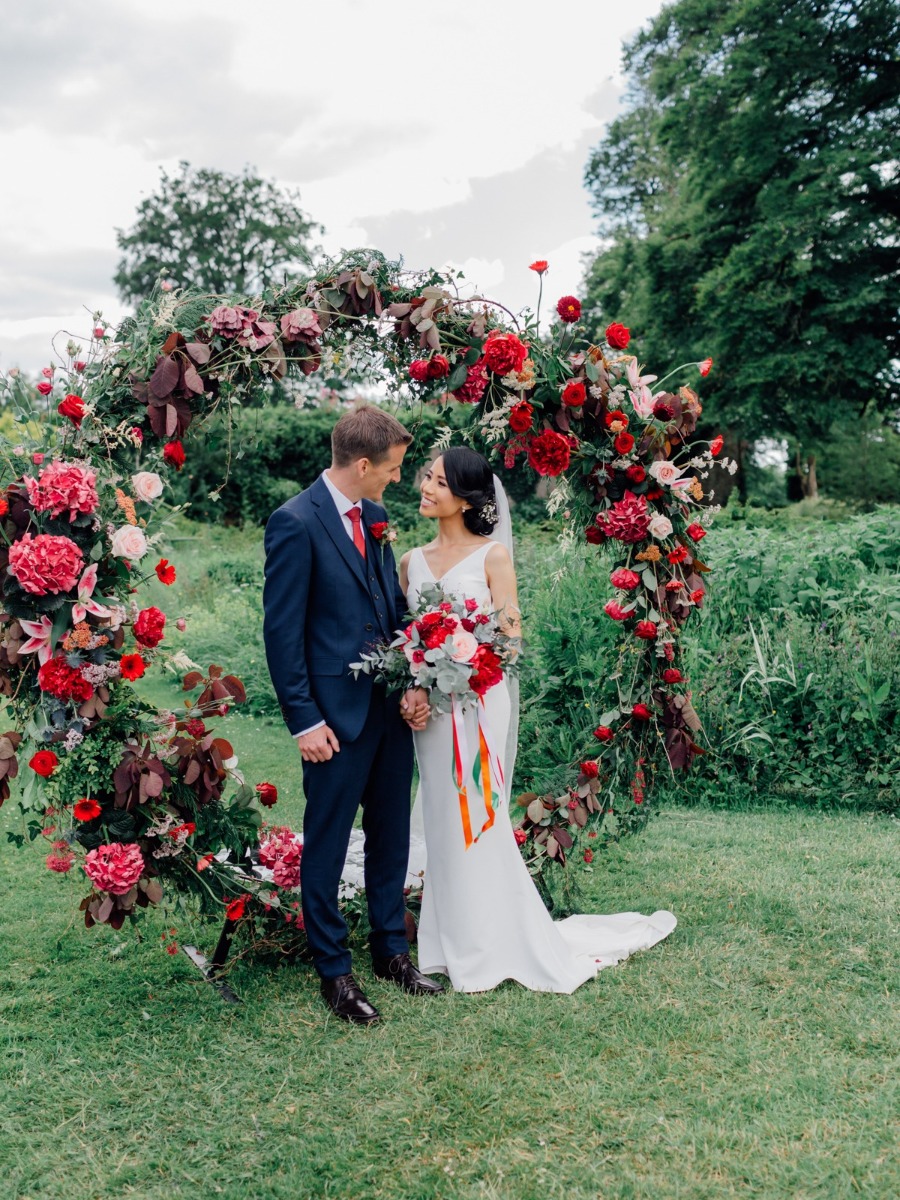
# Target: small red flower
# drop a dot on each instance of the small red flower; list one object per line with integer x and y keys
{"x": 663, "y": 411}
{"x": 716, "y": 444}
{"x": 595, "y": 535}
{"x": 521, "y": 416}
{"x": 504, "y": 353}
{"x": 705, "y": 367}
{"x": 603, "y": 733}
{"x": 589, "y": 856}
{"x": 164, "y": 572}
{"x": 86, "y": 809}
{"x": 195, "y": 727}
{"x": 573, "y": 394}
{"x": 438, "y": 367}
{"x": 654, "y": 493}
{"x": 624, "y": 443}
{"x": 569, "y": 309}
{"x": 549, "y": 453}
{"x": 589, "y": 769}
{"x": 45, "y": 388}
{"x": 73, "y": 408}
{"x": 268, "y": 794}
{"x": 79, "y": 365}
{"x": 678, "y": 555}
{"x": 617, "y": 336}
{"x": 697, "y": 596}
{"x": 641, "y": 712}
{"x": 234, "y": 910}
{"x": 4, "y": 508}
{"x": 203, "y": 863}
{"x": 695, "y": 532}
{"x": 540, "y": 265}
{"x": 636, "y": 473}
{"x": 173, "y": 453}
{"x": 615, "y": 414}
{"x": 521, "y": 837}
{"x": 645, "y": 630}
{"x": 44, "y": 763}
{"x": 672, "y": 675}
{"x": 132, "y": 666}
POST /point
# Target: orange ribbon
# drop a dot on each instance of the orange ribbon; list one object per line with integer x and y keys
{"x": 481, "y": 774}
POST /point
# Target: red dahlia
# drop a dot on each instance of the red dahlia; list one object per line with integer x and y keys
{"x": 569, "y": 309}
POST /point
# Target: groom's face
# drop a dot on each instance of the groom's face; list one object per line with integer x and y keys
{"x": 374, "y": 477}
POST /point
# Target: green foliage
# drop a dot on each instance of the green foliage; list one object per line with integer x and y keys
{"x": 214, "y": 231}
{"x": 750, "y": 194}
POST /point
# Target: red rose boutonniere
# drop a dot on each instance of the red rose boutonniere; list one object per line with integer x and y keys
{"x": 384, "y": 533}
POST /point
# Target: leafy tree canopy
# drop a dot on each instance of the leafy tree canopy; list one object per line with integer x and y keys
{"x": 214, "y": 231}
{"x": 749, "y": 194}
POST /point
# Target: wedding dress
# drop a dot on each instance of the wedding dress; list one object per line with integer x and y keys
{"x": 482, "y": 919}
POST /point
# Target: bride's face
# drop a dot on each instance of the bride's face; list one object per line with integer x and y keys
{"x": 437, "y": 499}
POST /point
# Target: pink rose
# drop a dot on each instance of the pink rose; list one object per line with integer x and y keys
{"x": 464, "y": 646}
{"x": 664, "y": 472}
{"x": 129, "y": 542}
{"x": 115, "y": 868}
{"x": 147, "y": 486}
{"x": 45, "y": 563}
{"x": 47, "y": 372}
{"x": 660, "y": 527}
{"x": 99, "y": 332}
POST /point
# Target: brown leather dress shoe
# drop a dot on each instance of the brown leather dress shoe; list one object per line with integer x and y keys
{"x": 402, "y": 970}
{"x": 347, "y": 1000}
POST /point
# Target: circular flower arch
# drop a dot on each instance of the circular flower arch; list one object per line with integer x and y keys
{"x": 145, "y": 799}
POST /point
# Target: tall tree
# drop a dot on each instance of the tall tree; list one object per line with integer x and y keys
{"x": 749, "y": 194}
{"x": 221, "y": 233}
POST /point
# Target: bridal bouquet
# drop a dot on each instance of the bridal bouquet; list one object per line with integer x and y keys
{"x": 453, "y": 648}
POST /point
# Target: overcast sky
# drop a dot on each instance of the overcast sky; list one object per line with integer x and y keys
{"x": 451, "y": 133}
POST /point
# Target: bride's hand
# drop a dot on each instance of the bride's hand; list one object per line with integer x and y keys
{"x": 414, "y": 709}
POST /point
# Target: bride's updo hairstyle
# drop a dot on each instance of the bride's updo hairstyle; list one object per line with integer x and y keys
{"x": 470, "y": 478}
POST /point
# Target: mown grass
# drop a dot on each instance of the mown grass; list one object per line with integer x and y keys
{"x": 752, "y": 1054}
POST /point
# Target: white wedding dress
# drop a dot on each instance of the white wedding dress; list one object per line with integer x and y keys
{"x": 483, "y": 920}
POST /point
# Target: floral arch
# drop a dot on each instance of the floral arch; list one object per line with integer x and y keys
{"x": 144, "y": 800}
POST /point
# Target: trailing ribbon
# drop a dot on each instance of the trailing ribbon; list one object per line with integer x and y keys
{"x": 487, "y": 759}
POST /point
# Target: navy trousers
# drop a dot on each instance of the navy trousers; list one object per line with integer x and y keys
{"x": 375, "y": 771}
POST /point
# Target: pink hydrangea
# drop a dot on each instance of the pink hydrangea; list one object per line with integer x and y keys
{"x": 281, "y": 851}
{"x": 472, "y": 390}
{"x": 628, "y": 520}
{"x": 300, "y": 325}
{"x": 45, "y": 563}
{"x": 115, "y": 868}
{"x": 60, "y": 861}
{"x": 62, "y": 487}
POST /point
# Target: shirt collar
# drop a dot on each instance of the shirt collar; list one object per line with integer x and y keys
{"x": 342, "y": 504}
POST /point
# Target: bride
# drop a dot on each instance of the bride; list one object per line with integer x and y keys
{"x": 482, "y": 919}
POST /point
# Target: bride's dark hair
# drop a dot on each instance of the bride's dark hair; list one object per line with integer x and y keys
{"x": 470, "y": 478}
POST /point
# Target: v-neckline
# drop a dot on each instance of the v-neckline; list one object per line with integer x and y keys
{"x": 441, "y": 578}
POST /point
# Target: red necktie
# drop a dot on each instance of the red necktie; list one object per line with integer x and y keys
{"x": 359, "y": 540}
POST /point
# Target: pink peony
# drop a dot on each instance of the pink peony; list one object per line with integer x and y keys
{"x": 300, "y": 325}
{"x": 45, "y": 563}
{"x": 62, "y": 487}
{"x": 115, "y": 868}
{"x": 628, "y": 520}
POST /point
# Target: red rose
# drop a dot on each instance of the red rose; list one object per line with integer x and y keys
{"x": 603, "y": 733}
{"x": 44, "y": 763}
{"x": 697, "y": 596}
{"x": 173, "y": 453}
{"x": 540, "y": 265}
{"x": 521, "y": 416}
{"x": 488, "y": 670}
{"x": 378, "y": 529}
{"x": 521, "y": 837}
{"x": 132, "y": 666}
{"x": 654, "y": 493}
{"x": 636, "y": 473}
{"x": 164, "y": 572}
{"x": 625, "y": 579}
{"x": 617, "y": 336}
{"x": 624, "y": 443}
{"x": 470, "y": 605}
{"x": 234, "y": 909}
{"x": 678, "y": 555}
{"x": 503, "y": 353}
{"x": 569, "y": 309}
{"x": 589, "y": 856}
{"x": 716, "y": 444}
{"x": 695, "y": 532}
{"x": 268, "y": 794}
{"x": 45, "y": 388}
{"x": 86, "y": 809}
{"x": 671, "y": 675}
{"x": 705, "y": 367}
{"x": 595, "y": 535}
{"x": 149, "y": 626}
{"x": 645, "y": 630}
{"x": 438, "y": 367}
{"x": 589, "y": 769}
{"x": 79, "y": 365}
{"x": 641, "y": 712}
{"x": 614, "y": 609}
{"x": 573, "y": 394}
{"x": 418, "y": 370}
{"x": 615, "y": 414}
{"x": 73, "y": 408}
{"x": 549, "y": 453}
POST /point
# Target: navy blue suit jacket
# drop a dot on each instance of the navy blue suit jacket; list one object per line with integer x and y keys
{"x": 324, "y": 605}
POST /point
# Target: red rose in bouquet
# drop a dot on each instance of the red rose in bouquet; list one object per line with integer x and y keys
{"x": 504, "y": 353}
{"x": 617, "y": 336}
{"x": 695, "y": 532}
{"x": 418, "y": 370}
{"x": 636, "y": 473}
{"x": 268, "y": 794}
{"x": 614, "y": 609}
{"x": 625, "y": 579}
{"x": 43, "y": 763}
{"x": 438, "y": 367}
{"x": 149, "y": 626}
{"x": 671, "y": 675}
{"x": 549, "y": 453}
{"x": 73, "y": 408}
{"x": 641, "y": 712}
{"x": 603, "y": 733}
{"x": 574, "y": 394}
{"x": 646, "y": 630}
{"x": 589, "y": 769}
{"x": 173, "y": 453}
{"x": 624, "y": 443}
{"x": 521, "y": 416}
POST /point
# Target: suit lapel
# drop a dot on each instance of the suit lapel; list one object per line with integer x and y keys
{"x": 331, "y": 519}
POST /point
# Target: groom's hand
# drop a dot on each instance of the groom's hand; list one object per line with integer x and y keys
{"x": 414, "y": 709}
{"x": 319, "y": 745}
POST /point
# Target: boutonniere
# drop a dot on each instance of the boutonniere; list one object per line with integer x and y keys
{"x": 384, "y": 533}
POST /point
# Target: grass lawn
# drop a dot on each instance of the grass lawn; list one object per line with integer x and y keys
{"x": 752, "y": 1054}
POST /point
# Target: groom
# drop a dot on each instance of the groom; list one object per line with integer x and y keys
{"x": 331, "y": 592}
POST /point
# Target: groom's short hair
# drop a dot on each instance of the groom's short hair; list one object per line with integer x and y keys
{"x": 367, "y": 432}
